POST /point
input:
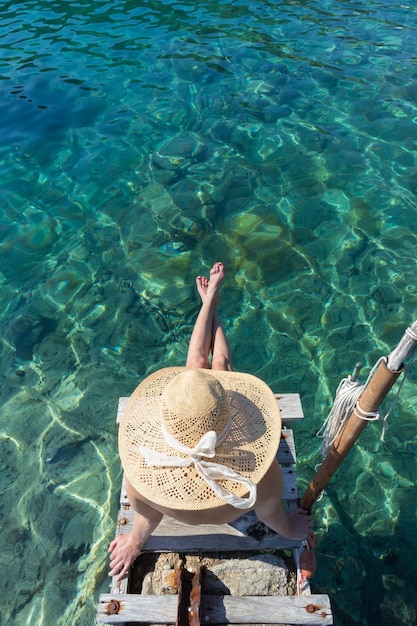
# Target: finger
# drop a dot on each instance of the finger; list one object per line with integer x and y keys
{"x": 123, "y": 573}
{"x": 116, "y": 568}
{"x": 116, "y": 564}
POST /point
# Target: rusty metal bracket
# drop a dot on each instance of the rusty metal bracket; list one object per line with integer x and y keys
{"x": 189, "y": 596}
{"x": 195, "y": 598}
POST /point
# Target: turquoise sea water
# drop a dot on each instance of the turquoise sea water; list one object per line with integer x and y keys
{"x": 139, "y": 143}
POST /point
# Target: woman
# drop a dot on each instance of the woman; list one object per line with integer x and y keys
{"x": 178, "y": 418}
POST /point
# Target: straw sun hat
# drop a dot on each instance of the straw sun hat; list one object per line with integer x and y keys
{"x": 194, "y": 439}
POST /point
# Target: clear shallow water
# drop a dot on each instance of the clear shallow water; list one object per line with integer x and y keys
{"x": 138, "y": 145}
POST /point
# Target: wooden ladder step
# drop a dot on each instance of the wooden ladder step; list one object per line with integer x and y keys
{"x": 245, "y": 534}
{"x": 311, "y": 610}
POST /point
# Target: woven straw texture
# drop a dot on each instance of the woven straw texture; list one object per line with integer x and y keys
{"x": 189, "y": 409}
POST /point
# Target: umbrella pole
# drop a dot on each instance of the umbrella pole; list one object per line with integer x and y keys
{"x": 372, "y": 396}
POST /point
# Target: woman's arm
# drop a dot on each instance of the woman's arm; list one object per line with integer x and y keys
{"x": 296, "y": 525}
{"x": 125, "y": 548}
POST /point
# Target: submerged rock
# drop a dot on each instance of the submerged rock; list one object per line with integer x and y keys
{"x": 178, "y": 152}
{"x": 26, "y": 329}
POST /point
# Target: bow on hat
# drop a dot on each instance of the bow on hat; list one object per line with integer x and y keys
{"x": 208, "y": 471}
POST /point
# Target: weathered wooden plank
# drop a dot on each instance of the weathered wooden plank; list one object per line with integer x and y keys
{"x": 289, "y": 405}
{"x": 124, "y": 526}
{"x": 268, "y": 609}
{"x": 245, "y": 534}
{"x": 119, "y": 586}
{"x": 286, "y": 454}
{"x": 121, "y": 408}
{"x": 290, "y": 484}
{"x": 137, "y": 608}
{"x": 314, "y": 610}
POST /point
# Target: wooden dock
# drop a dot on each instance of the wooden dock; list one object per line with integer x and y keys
{"x": 121, "y": 607}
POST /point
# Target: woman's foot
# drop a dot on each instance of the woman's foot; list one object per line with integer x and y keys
{"x": 202, "y": 284}
{"x": 300, "y": 524}
{"x": 210, "y": 288}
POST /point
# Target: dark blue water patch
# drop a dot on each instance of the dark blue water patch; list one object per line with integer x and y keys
{"x": 27, "y": 328}
{"x": 39, "y": 108}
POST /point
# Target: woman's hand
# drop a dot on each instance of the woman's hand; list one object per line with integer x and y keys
{"x": 123, "y": 552}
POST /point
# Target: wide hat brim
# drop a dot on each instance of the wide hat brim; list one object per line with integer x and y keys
{"x": 249, "y": 448}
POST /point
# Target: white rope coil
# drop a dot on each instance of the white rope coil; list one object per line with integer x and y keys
{"x": 347, "y": 395}
{"x": 347, "y": 401}
{"x": 368, "y": 416}
{"x": 410, "y": 332}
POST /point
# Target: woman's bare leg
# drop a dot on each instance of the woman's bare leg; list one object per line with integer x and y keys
{"x": 201, "y": 341}
{"x": 222, "y": 356}
{"x": 218, "y": 345}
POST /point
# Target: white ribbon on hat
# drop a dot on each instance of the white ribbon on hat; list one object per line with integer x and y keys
{"x": 209, "y": 472}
